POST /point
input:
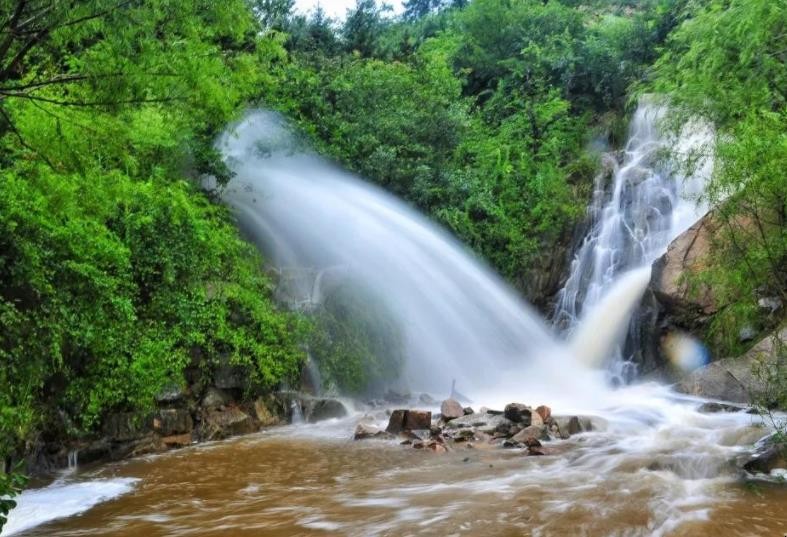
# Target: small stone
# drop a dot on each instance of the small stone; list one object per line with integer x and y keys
{"x": 518, "y": 413}
{"x": 544, "y": 411}
{"x": 367, "y": 428}
{"x": 451, "y": 409}
{"x": 533, "y": 432}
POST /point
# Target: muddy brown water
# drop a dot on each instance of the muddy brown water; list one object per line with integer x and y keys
{"x": 285, "y": 483}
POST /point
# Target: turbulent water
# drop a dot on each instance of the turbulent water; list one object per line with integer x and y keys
{"x": 662, "y": 473}
{"x": 456, "y": 318}
{"x": 650, "y": 200}
{"x": 656, "y": 467}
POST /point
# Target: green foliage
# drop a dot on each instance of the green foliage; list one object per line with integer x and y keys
{"x": 726, "y": 63}
{"x": 356, "y": 341}
{"x": 116, "y": 270}
{"x": 11, "y": 484}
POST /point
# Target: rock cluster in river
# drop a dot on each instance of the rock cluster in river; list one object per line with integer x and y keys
{"x": 516, "y": 426}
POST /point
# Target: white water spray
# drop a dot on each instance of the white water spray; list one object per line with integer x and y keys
{"x": 458, "y": 320}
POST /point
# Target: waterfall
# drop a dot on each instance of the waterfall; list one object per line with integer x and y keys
{"x": 457, "y": 319}
{"x": 649, "y": 201}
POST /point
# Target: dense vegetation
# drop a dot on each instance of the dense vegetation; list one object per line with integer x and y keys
{"x": 728, "y": 64}
{"x": 117, "y": 271}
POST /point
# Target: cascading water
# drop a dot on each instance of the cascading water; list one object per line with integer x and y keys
{"x": 457, "y": 319}
{"x": 632, "y": 220}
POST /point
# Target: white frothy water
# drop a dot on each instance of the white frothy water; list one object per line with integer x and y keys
{"x": 458, "y": 320}
{"x": 60, "y": 500}
{"x": 632, "y": 220}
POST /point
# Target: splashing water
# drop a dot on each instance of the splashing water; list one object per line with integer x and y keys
{"x": 656, "y": 466}
{"x": 632, "y": 221}
{"x": 457, "y": 318}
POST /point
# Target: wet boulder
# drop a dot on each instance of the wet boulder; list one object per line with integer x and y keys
{"x": 319, "y": 409}
{"x": 168, "y": 422}
{"x": 368, "y": 428}
{"x": 262, "y": 412}
{"x": 737, "y": 379}
{"x": 417, "y": 419}
{"x": 451, "y": 409}
{"x": 215, "y": 398}
{"x": 544, "y": 412}
{"x": 218, "y": 424}
{"x": 533, "y": 432}
{"x": 518, "y": 413}
{"x": 408, "y": 420}
{"x": 769, "y": 456}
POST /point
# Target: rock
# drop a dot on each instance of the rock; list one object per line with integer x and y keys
{"x": 219, "y": 424}
{"x": 178, "y": 440}
{"x": 437, "y": 447}
{"x": 125, "y": 426}
{"x": 215, "y": 398}
{"x": 533, "y": 432}
{"x": 536, "y": 419}
{"x": 714, "y": 407}
{"x": 510, "y": 443}
{"x": 230, "y": 377}
{"x": 322, "y": 409}
{"x": 171, "y": 395}
{"x": 417, "y": 419}
{"x": 686, "y": 255}
{"x": 544, "y": 411}
{"x": 367, "y": 428}
{"x": 396, "y": 422}
{"x": 747, "y": 333}
{"x": 451, "y": 409}
{"x": 537, "y": 451}
{"x": 486, "y": 423}
{"x": 263, "y": 413}
{"x": 463, "y": 435}
{"x": 409, "y": 420}
{"x": 170, "y": 422}
{"x": 571, "y": 425}
{"x": 735, "y": 379}
{"x": 769, "y": 456}
{"x": 468, "y": 410}
{"x": 770, "y": 303}
{"x": 518, "y": 413}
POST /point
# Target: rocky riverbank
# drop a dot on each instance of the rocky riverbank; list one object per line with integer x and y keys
{"x": 181, "y": 418}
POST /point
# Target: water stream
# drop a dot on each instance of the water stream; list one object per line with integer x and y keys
{"x": 657, "y": 467}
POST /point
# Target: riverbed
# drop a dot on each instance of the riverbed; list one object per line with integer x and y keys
{"x": 666, "y": 471}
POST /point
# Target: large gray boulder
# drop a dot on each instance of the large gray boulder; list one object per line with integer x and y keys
{"x": 738, "y": 379}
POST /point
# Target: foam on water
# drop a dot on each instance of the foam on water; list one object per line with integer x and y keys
{"x": 60, "y": 500}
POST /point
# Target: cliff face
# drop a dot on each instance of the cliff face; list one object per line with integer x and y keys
{"x": 675, "y": 304}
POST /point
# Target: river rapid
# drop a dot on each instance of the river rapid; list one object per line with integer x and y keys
{"x": 659, "y": 468}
